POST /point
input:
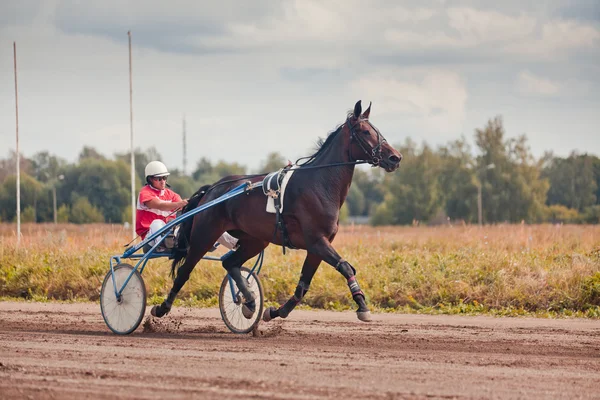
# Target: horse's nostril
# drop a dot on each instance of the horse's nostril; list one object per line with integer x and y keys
{"x": 395, "y": 159}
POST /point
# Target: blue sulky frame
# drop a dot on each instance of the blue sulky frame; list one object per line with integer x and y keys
{"x": 143, "y": 258}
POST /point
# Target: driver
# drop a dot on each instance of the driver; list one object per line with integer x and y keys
{"x": 156, "y": 205}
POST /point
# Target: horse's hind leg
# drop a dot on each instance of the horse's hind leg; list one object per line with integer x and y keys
{"x": 323, "y": 248}
{"x": 248, "y": 248}
{"x": 311, "y": 264}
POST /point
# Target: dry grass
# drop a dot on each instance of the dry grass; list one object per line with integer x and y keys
{"x": 504, "y": 269}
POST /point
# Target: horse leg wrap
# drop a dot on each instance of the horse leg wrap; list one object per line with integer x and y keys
{"x": 349, "y": 273}
{"x": 344, "y": 268}
{"x": 301, "y": 290}
{"x": 354, "y": 287}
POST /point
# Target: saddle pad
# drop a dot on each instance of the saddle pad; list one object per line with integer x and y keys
{"x": 271, "y": 201}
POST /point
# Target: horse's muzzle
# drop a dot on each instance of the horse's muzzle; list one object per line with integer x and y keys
{"x": 392, "y": 163}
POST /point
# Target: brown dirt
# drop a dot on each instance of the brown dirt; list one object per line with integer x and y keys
{"x": 66, "y": 351}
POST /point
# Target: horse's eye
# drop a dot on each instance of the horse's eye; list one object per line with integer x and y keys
{"x": 366, "y": 132}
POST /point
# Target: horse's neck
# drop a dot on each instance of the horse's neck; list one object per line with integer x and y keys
{"x": 335, "y": 179}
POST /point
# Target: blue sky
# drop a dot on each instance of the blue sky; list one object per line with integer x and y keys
{"x": 262, "y": 76}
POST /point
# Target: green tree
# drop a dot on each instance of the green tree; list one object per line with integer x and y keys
{"x": 90, "y": 153}
{"x": 47, "y": 167}
{"x": 184, "y": 185}
{"x": 457, "y": 185}
{"x": 273, "y": 162}
{"x": 28, "y": 214}
{"x": 369, "y": 182}
{"x": 413, "y": 194}
{"x": 591, "y": 214}
{"x": 514, "y": 190}
{"x": 82, "y": 212}
{"x": 596, "y": 162}
{"x": 105, "y": 183}
{"x": 355, "y": 202}
{"x": 207, "y": 173}
{"x": 142, "y": 158}
{"x": 30, "y": 193}
{"x": 63, "y": 212}
{"x": 8, "y": 166}
{"x": 573, "y": 181}
{"x": 344, "y": 214}
{"x": 204, "y": 167}
{"x": 559, "y": 213}
{"x": 223, "y": 169}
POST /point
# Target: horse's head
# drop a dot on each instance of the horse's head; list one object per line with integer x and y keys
{"x": 368, "y": 143}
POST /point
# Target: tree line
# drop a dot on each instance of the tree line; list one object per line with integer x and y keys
{"x": 497, "y": 181}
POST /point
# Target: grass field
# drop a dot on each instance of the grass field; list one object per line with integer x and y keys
{"x": 541, "y": 270}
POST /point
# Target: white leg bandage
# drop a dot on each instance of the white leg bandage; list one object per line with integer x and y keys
{"x": 228, "y": 241}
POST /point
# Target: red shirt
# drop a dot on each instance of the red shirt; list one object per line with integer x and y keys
{"x": 144, "y": 215}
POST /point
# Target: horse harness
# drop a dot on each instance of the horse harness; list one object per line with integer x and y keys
{"x": 271, "y": 186}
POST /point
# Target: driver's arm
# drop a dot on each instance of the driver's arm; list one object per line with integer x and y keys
{"x": 162, "y": 205}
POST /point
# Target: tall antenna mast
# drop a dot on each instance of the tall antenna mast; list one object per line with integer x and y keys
{"x": 18, "y": 154}
{"x": 184, "y": 148}
{"x": 133, "y": 204}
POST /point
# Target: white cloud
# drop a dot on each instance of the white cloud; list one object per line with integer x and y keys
{"x": 558, "y": 38}
{"x": 477, "y": 27}
{"x": 403, "y": 14}
{"x": 497, "y": 35}
{"x": 528, "y": 83}
{"x": 470, "y": 27}
{"x": 569, "y": 35}
{"x": 285, "y": 72}
{"x": 438, "y": 99}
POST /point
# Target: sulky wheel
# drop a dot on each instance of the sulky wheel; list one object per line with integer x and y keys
{"x": 230, "y": 304}
{"x": 123, "y": 315}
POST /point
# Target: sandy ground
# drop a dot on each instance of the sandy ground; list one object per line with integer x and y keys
{"x": 65, "y": 351}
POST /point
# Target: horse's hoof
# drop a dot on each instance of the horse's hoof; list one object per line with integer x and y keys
{"x": 154, "y": 311}
{"x": 248, "y": 309}
{"x": 267, "y": 314}
{"x": 159, "y": 311}
{"x": 364, "y": 316}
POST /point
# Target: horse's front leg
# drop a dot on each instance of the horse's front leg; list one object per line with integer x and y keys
{"x": 311, "y": 264}
{"x": 323, "y": 248}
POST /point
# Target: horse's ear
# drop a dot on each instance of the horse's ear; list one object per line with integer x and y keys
{"x": 357, "y": 109}
{"x": 367, "y": 111}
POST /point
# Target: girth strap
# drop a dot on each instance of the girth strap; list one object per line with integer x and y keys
{"x": 271, "y": 185}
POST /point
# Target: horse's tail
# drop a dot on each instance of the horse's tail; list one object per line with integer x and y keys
{"x": 185, "y": 230}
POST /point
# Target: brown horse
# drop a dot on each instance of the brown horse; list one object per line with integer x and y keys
{"x": 315, "y": 193}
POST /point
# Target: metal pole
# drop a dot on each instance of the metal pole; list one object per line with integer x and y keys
{"x": 184, "y": 148}
{"x": 479, "y": 205}
{"x": 54, "y": 203}
{"x": 18, "y": 157}
{"x": 131, "y": 134}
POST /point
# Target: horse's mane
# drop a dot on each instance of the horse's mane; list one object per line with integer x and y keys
{"x": 322, "y": 145}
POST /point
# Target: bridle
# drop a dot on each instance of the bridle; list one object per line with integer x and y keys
{"x": 375, "y": 152}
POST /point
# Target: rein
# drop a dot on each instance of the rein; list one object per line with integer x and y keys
{"x": 375, "y": 154}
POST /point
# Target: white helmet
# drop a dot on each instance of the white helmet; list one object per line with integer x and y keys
{"x": 156, "y": 168}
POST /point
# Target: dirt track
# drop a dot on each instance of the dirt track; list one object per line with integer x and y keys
{"x": 65, "y": 351}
